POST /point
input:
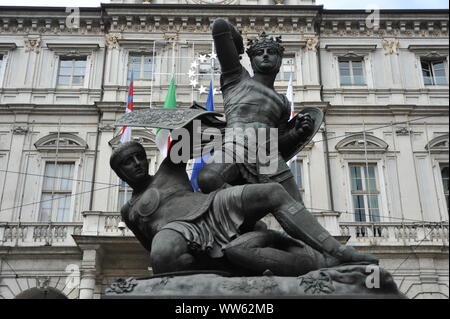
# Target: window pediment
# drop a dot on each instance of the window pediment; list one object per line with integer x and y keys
{"x": 429, "y": 50}
{"x": 438, "y": 144}
{"x": 351, "y": 50}
{"x": 5, "y": 47}
{"x": 73, "y": 49}
{"x": 65, "y": 143}
{"x": 360, "y": 143}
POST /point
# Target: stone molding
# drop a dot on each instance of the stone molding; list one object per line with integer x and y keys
{"x": 73, "y": 49}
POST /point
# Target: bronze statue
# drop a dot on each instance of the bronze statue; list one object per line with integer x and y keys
{"x": 220, "y": 228}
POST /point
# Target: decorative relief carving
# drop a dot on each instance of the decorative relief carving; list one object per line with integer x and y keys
{"x": 322, "y": 284}
{"x": 311, "y": 43}
{"x": 19, "y": 130}
{"x": 121, "y": 286}
{"x": 170, "y": 36}
{"x": 112, "y": 40}
{"x": 391, "y": 46}
{"x": 403, "y": 131}
{"x": 106, "y": 127}
{"x": 32, "y": 44}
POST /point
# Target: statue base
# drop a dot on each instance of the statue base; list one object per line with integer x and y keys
{"x": 349, "y": 281}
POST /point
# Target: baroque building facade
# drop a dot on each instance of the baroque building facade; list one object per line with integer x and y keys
{"x": 376, "y": 175}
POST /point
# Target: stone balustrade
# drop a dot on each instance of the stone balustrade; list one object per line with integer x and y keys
{"x": 97, "y": 223}
{"x": 395, "y": 234}
{"x": 38, "y": 233}
{"x": 103, "y": 224}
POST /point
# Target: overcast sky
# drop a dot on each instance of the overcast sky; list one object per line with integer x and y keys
{"x": 329, "y": 4}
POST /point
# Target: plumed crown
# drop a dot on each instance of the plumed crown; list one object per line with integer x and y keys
{"x": 263, "y": 42}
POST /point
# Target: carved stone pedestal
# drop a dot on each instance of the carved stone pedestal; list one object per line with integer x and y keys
{"x": 352, "y": 281}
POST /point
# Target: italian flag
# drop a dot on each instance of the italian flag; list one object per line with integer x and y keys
{"x": 163, "y": 138}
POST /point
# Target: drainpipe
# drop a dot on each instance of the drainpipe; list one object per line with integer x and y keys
{"x": 94, "y": 170}
{"x": 324, "y": 133}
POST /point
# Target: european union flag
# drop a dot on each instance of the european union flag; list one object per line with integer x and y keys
{"x": 200, "y": 161}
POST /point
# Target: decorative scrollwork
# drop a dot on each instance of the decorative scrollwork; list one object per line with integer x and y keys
{"x": 121, "y": 285}
{"x": 322, "y": 284}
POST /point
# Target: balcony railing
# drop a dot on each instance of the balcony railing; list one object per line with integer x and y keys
{"x": 394, "y": 234}
{"x": 38, "y": 234}
{"x": 103, "y": 224}
{"x": 97, "y": 223}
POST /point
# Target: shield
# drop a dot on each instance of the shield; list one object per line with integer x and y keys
{"x": 166, "y": 118}
{"x": 317, "y": 115}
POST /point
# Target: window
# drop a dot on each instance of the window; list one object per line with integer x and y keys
{"x": 56, "y": 192}
{"x": 142, "y": 66}
{"x": 125, "y": 192}
{"x": 71, "y": 71}
{"x": 444, "y": 176}
{"x": 287, "y": 69}
{"x": 296, "y": 169}
{"x": 434, "y": 72}
{"x": 1, "y": 63}
{"x": 351, "y": 72}
{"x": 364, "y": 192}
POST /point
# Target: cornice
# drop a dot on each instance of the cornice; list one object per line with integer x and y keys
{"x": 249, "y": 18}
{"x": 388, "y": 110}
{"x": 346, "y": 48}
{"x": 52, "y": 109}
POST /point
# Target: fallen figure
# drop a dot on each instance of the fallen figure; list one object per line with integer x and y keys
{"x": 184, "y": 230}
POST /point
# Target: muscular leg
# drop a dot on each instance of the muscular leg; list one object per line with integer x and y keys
{"x": 291, "y": 187}
{"x": 267, "y": 250}
{"x": 260, "y": 199}
{"x": 170, "y": 252}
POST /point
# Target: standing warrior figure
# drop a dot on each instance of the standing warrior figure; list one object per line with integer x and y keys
{"x": 252, "y": 103}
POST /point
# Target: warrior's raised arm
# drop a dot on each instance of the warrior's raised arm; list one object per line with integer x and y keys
{"x": 229, "y": 44}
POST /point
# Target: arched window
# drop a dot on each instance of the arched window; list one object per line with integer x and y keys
{"x": 363, "y": 154}
{"x": 60, "y": 153}
{"x": 41, "y": 293}
{"x": 438, "y": 148}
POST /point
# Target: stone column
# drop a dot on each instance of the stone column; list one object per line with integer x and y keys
{"x": 90, "y": 267}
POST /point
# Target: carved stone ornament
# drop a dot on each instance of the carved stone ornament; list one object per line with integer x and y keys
{"x": 391, "y": 46}
{"x": 170, "y": 36}
{"x": 106, "y": 127}
{"x": 403, "y": 131}
{"x": 32, "y": 44}
{"x": 112, "y": 40}
{"x": 316, "y": 283}
{"x": 311, "y": 44}
{"x": 121, "y": 286}
{"x": 19, "y": 130}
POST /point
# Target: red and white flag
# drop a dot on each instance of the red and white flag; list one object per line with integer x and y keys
{"x": 290, "y": 97}
{"x": 126, "y": 131}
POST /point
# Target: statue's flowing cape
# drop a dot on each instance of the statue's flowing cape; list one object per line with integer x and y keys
{"x": 182, "y": 117}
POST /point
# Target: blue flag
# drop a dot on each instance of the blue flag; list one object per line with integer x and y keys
{"x": 200, "y": 161}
